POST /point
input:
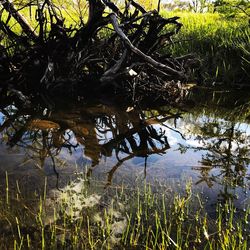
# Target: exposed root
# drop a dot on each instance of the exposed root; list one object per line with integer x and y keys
{"x": 116, "y": 51}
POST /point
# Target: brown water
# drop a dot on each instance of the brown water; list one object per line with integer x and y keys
{"x": 206, "y": 141}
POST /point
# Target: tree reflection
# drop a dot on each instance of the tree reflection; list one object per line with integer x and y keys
{"x": 101, "y": 131}
{"x": 225, "y": 154}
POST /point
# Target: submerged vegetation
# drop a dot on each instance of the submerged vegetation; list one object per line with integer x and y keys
{"x": 122, "y": 217}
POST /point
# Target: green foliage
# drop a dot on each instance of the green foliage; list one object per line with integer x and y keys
{"x": 233, "y": 8}
{"x": 222, "y": 44}
{"x": 148, "y": 4}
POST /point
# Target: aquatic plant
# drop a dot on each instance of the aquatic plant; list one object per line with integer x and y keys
{"x": 145, "y": 216}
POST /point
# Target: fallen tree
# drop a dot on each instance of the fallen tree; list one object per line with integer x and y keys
{"x": 118, "y": 47}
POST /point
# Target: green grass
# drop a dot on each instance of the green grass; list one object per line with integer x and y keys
{"x": 223, "y": 45}
{"x": 120, "y": 217}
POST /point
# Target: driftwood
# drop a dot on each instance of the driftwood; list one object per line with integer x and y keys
{"x": 116, "y": 47}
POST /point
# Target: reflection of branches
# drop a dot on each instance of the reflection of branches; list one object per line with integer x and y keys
{"x": 175, "y": 130}
{"x": 131, "y": 156}
{"x": 133, "y": 136}
{"x": 37, "y": 143}
{"x": 205, "y": 177}
{"x": 55, "y": 171}
{"x": 101, "y": 130}
{"x": 226, "y": 148}
{"x": 114, "y": 168}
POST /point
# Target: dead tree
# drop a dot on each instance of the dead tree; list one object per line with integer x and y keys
{"x": 116, "y": 46}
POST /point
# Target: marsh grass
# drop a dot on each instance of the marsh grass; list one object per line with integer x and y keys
{"x": 223, "y": 44}
{"x": 120, "y": 217}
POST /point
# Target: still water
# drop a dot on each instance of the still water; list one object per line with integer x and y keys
{"x": 207, "y": 141}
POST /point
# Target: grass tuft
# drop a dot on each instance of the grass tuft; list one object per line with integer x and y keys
{"x": 145, "y": 217}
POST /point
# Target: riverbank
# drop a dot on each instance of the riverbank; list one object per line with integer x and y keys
{"x": 222, "y": 44}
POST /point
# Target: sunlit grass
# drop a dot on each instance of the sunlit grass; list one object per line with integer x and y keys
{"x": 144, "y": 217}
{"x": 223, "y": 45}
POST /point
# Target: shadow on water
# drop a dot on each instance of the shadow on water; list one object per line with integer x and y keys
{"x": 208, "y": 142}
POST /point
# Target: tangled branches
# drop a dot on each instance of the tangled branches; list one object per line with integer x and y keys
{"x": 116, "y": 48}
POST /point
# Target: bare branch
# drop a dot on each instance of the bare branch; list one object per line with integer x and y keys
{"x": 150, "y": 60}
{"x": 9, "y": 7}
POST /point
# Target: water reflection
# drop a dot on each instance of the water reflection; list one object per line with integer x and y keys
{"x": 108, "y": 140}
{"x": 225, "y": 146}
{"x": 99, "y": 131}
